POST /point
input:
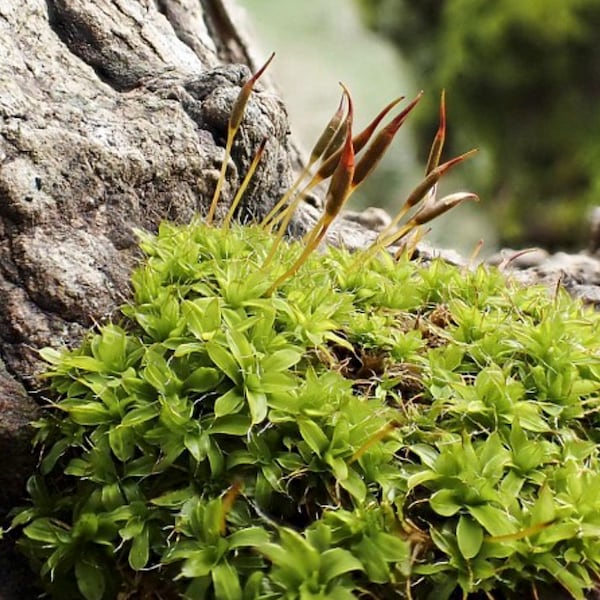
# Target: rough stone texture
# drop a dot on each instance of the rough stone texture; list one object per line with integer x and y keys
{"x": 578, "y": 273}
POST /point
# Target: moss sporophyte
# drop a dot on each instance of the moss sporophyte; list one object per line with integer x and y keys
{"x": 264, "y": 421}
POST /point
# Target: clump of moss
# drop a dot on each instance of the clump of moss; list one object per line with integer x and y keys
{"x": 264, "y": 422}
{"x": 370, "y": 428}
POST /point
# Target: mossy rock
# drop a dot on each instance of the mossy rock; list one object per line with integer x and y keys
{"x": 371, "y": 428}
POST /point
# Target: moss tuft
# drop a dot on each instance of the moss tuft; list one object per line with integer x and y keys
{"x": 388, "y": 430}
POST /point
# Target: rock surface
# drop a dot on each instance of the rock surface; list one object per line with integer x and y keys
{"x": 578, "y": 273}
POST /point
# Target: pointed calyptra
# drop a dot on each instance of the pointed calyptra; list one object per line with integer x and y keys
{"x": 428, "y": 212}
{"x": 388, "y": 236}
{"x": 329, "y": 133}
{"x": 419, "y": 192}
{"x": 235, "y": 120}
{"x": 340, "y": 185}
{"x": 229, "y": 498}
{"x": 338, "y": 192}
{"x": 239, "y": 106}
{"x": 341, "y": 180}
{"x": 440, "y": 137}
{"x": 325, "y": 141}
{"x": 331, "y": 158}
{"x": 358, "y": 142}
{"x": 377, "y": 148}
{"x": 433, "y": 177}
{"x": 434, "y": 209}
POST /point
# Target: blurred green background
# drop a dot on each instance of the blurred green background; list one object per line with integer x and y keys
{"x": 522, "y": 79}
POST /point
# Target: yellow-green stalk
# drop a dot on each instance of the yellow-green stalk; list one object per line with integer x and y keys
{"x": 235, "y": 120}
{"x": 245, "y": 183}
{"x": 339, "y": 190}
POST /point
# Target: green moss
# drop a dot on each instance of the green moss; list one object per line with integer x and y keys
{"x": 391, "y": 429}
